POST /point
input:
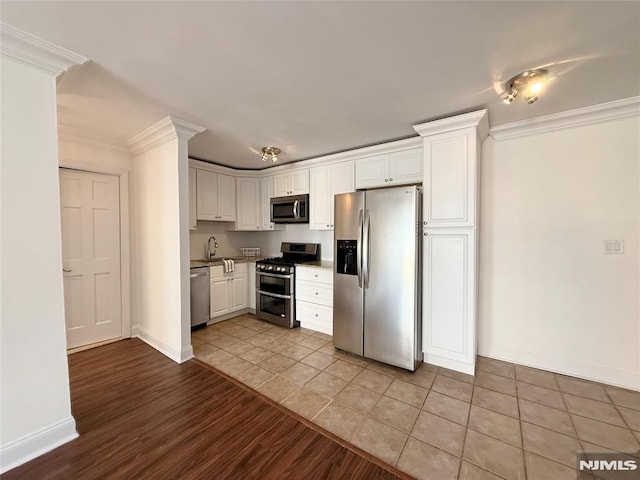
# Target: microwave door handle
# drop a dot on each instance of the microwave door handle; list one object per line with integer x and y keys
{"x": 295, "y": 209}
{"x": 359, "y": 250}
{"x": 365, "y": 249}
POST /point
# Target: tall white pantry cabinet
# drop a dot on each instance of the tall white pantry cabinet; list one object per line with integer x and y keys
{"x": 451, "y": 149}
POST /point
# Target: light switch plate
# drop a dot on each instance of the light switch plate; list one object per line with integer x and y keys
{"x": 613, "y": 247}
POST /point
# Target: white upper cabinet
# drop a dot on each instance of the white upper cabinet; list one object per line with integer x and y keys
{"x": 248, "y": 204}
{"x": 193, "y": 222}
{"x": 450, "y": 162}
{"x": 266, "y": 192}
{"x": 325, "y": 183}
{"x": 292, "y": 183}
{"x": 206, "y": 195}
{"x": 391, "y": 169}
{"x": 215, "y": 196}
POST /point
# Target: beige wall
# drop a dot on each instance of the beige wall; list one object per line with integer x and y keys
{"x": 548, "y": 296}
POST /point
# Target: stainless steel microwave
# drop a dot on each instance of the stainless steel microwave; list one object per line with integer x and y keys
{"x": 291, "y": 209}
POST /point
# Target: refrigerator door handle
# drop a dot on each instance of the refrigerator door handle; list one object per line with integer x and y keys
{"x": 365, "y": 250}
{"x": 359, "y": 250}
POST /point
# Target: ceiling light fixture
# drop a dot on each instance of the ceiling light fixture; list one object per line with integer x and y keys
{"x": 529, "y": 83}
{"x": 272, "y": 152}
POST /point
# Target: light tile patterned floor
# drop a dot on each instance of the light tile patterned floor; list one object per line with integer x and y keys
{"x": 507, "y": 422}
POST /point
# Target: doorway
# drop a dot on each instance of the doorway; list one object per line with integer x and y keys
{"x": 91, "y": 250}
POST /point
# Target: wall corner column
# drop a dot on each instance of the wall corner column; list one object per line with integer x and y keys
{"x": 161, "y": 231}
{"x": 451, "y": 149}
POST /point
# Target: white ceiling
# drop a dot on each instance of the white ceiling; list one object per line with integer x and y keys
{"x": 319, "y": 77}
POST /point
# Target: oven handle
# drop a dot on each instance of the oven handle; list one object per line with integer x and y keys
{"x": 275, "y": 295}
{"x": 276, "y": 275}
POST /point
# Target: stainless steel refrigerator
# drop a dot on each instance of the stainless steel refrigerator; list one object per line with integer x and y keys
{"x": 377, "y": 309}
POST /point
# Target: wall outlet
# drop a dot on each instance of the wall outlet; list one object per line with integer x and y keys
{"x": 614, "y": 246}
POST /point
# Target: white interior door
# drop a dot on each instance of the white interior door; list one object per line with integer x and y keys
{"x": 91, "y": 256}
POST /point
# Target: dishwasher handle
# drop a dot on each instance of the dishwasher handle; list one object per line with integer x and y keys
{"x": 200, "y": 274}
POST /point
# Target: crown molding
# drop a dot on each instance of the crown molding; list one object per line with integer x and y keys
{"x": 478, "y": 119}
{"x": 167, "y": 129}
{"x": 34, "y": 51}
{"x": 627, "y": 107}
{"x": 81, "y": 136}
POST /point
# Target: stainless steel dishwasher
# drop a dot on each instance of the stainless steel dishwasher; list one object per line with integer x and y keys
{"x": 200, "y": 299}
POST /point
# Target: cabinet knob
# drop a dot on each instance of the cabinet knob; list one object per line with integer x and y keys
{"x": 425, "y": 234}
{"x": 316, "y": 293}
{"x": 386, "y": 180}
{"x": 316, "y": 275}
{"x": 316, "y": 314}
{"x": 327, "y": 224}
{"x": 425, "y": 222}
{"x": 391, "y": 179}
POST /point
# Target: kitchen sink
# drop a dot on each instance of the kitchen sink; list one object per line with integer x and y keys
{"x": 212, "y": 259}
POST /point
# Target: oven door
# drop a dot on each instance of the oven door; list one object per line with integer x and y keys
{"x": 276, "y": 283}
{"x": 274, "y": 308}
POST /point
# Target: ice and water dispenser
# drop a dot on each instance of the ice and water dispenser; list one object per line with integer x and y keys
{"x": 347, "y": 257}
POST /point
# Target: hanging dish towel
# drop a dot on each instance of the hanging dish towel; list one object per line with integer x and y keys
{"x": 229, "y": 266}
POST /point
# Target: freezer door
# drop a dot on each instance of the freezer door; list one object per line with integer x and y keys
{"x": 347, "y": 289}
{"x": 391, "y": 308}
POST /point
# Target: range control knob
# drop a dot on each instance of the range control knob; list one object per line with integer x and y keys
{"x": 270, "y": 267}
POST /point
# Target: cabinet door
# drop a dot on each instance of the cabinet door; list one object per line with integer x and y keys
{"x": 238, "y": 292}
{"x": 219, "y": 296}
{"x": 300, "y": 182}
{"x": 406, "y": 166}
{"x": 450, "y": 179}
{"x": 248, "y": 204}
{"x": 226, "y": 198}
{"x": 372, "y": 171}
{"x": 206, "y": 195}
{"x": 320, "y": 199}
{"x": 193, "y": 222}
{"x": 266, "y": 192}
{"x": 449, "y": 296}
{"x": 281, "y": 185}
{"x": 341, "y": 180}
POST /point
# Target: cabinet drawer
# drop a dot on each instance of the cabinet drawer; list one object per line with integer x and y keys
{"x": 315, "y": 292}
{"x": 217, "y": 271}
{"x": 315, "y": 274}
{"x": 315, "y": 317}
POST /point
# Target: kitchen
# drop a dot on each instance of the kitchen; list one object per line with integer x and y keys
{"x": 552, "y": 224}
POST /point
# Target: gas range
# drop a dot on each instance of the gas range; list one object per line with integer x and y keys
{"x": 275, "y": 282}
{"x": 292, "y": 254}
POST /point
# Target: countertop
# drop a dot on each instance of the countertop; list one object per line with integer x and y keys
{"x": 205, "y": 263}
{"x": 328, "y": 264}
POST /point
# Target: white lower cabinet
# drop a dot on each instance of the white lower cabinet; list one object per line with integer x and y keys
{"x": 314, "y": 298}
{"x": 229, "y": 291}
{"x": 449, "y": 298}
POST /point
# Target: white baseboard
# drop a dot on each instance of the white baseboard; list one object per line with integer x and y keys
{"x": 457, "y": 365}
{"x": 564, "y": 366}
{"x": 31, "y": 446}
{"x": 178, "y": 356}
{"x": 186, "y": 353}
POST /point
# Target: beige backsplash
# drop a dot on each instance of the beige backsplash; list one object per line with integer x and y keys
{"x": 230, "y": 242}
{"x": 198, "y": 240}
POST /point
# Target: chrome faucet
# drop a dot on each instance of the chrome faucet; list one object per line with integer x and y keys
{"x": 211, "y": 254}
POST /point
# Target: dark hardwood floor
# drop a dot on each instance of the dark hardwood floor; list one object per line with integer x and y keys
{"x": 140, "y": 415}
